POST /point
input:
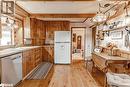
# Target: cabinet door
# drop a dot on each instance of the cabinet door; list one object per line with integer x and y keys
{"x": 48, "y": 54}
{"x": 26, "y": 63}
{"x": 45, "y": 54}
{"x": 62, "y": 53}
{"x": 24, "y": 66}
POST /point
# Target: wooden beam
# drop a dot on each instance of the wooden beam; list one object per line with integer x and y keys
{"x": 55, "y": 0}
{"x": 68, "y": 0}
{"x": 20, "y": 11}
{"x": 87, "y": 15}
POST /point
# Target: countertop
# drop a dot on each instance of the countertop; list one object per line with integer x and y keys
{"x": 48, "y": 45}
{"x": 11, "y": 51}
{"x": 111, "y": 58}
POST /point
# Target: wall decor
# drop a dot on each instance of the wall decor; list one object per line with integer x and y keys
{"x": 116, "y": 24}
{"x": 116, "y": 34}
{"x": 74, "y": 37}
{"x": 8, "y": 7}
{"x": 101, "y": 35}
{"x": 79, "y": 41}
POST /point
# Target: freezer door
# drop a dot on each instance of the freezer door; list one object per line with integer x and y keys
{"x": 62, "y": 36}
{"x": 62, "y": 53}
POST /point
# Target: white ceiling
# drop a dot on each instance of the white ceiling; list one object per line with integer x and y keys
{"x": 59, "y": 7}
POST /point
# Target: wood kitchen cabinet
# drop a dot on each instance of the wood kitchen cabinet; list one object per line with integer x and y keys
{"x": 27, "y": 62}
{"x": 41, "y": 29}
{"x": 38, "y": 32}
{"x": 31, "y": 59}
{"x": 48, "y": 54}
{"x": 38, "y": 56}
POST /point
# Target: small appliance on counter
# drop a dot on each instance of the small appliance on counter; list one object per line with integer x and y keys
{"x": 97, "y": 50}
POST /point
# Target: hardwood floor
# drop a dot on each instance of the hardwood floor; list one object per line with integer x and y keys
{"x": 74, "y": 75}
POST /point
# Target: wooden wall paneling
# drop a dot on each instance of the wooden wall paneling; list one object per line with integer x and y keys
{"x": 48, "y": 54}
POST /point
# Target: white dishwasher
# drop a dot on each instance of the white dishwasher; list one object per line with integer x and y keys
{"x": 11, "y": 69}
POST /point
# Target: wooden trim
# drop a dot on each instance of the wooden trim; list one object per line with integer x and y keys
{"x": 85, "y": 15}
{"x": 23, "y": 28}
{"x": 85, "y": 20}
{"x": 77, "y": 27}
{"x": 60, "y": 0}
{"x": 80, "y": 21}
{"x": 20, "y": 11}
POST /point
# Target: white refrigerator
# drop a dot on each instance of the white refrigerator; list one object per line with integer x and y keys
{"x": 62, "y": 47}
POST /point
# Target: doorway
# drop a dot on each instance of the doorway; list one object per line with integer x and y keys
{"x": 78, "y": 43}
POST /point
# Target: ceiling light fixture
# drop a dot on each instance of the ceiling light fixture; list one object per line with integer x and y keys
{"x": 100, "y": 16}
{"x": 8, "y": 22}
{"x": 15, "y": 24}
{"x": 127, "y": 16}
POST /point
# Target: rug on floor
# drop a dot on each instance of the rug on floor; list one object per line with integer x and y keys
{"x": 41, "y": 71}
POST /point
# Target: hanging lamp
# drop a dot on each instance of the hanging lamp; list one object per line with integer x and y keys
{"x": 100, "y": 16}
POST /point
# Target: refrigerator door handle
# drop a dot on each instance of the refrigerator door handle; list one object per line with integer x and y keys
{"x": 62, "y": 46}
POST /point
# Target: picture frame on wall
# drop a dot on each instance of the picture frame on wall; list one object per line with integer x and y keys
{"x": 8, "y": 7}
{"x": 116, "y": 35}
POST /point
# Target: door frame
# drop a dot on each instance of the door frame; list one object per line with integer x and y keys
{"x": 72, "y": 28}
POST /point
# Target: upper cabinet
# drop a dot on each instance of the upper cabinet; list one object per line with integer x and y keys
{"x": 37, "y": 31}
{"x": 37, "y": 28}
{"x": 40, "y": 29}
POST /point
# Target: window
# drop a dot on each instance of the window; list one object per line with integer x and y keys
{"x": 11, "y": 32}
{"x": 6, "y": 38}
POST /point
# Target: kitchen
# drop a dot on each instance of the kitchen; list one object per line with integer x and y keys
{"x": 40, "y": 38}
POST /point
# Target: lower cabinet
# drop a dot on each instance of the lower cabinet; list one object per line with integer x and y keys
{"x": 48, "y": 54}
{"x": 31, "y": 59}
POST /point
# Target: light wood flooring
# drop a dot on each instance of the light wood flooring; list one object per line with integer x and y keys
{"x": 74, "y": 75}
